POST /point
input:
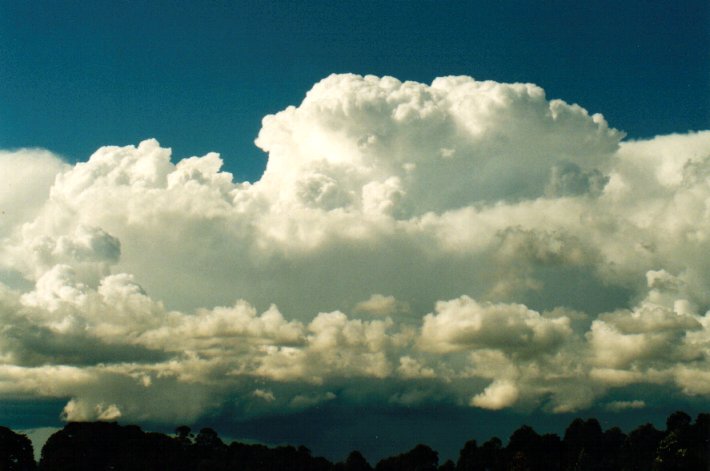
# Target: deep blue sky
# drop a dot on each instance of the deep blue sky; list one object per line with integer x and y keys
{"x": 199, "y": 76}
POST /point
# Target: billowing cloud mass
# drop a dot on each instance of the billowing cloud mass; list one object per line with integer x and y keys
{"x": 466, "y": 241}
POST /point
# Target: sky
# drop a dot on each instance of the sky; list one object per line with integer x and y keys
{"x": 354, "y": 224}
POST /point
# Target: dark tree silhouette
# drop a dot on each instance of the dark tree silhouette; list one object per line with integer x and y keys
{"x": 640, "y": 448}
{"x": 16, "y": 452}
{"x": 551, "y": 452}
{"x": 95, "y": 446}
{"x": 247, "y": 457}
{"x": 448, "y": 466}
{"x": 678, "y": 420}
{"x": 183, "y": 433}
{"x": 700, "y": 441}
{"x": 676, "y": 451}
{"x": 582, "y": 445}
{"x": 469, "y": 457}
{"x": 209, "y": 453}
{"x": 672, "y": 453}
{"x": 84, "y": 446}
{"x": 420, "y": 458}
{"x": 99, "y": 446}
{"x": 612, "y": 449}
{"x": 259, "y": 457}
{"x": 524, "y": 451}
{"x": 354, "y": 462}
{"x": 492, "y": 455}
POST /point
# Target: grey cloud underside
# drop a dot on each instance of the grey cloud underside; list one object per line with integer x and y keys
{"x": 467, "y": 242}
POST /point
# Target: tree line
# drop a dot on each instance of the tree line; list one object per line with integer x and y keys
{"x": 684, "y": 445}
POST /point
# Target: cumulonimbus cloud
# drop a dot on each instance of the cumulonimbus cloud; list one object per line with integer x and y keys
{"x": 505, "y": 249}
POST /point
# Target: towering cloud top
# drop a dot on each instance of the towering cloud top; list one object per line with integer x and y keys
{"x": 502, "y": 249}
{"x": 379, "y": 145}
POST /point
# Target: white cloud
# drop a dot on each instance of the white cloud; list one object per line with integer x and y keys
{"x": 464, "y": 324}
{"x": 381, "y": 305}
{"x": 559, "y": 261}
{"x": 266, "y": 395}
{"x": 411, "y": 368}
{"x": 28, "y": 175}
{"x": 499, "y": 395}
{"x": 650, "y": 334}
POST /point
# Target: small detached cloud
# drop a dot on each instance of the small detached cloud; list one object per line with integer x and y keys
{"x": 616, "y": 406}
{"x": 464, "y": 241}
{"x": 499, "y": 395}
{"x": 266, "y": 395}
{"x": 380, "y": 305}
